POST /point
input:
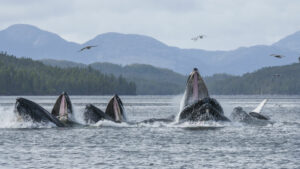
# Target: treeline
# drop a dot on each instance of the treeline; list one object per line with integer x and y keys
{"x": 269, "y": 80}
{"x": 23, "y": 76}
{"x": 148, "y": 79}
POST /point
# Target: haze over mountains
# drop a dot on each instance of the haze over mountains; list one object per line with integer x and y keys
{"x": 29, "y": 41}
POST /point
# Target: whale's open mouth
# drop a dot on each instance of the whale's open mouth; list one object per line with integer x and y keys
{"x": 195, "y": 87}
{"x": 117, "y": 110}
{"x": 63, "y": 109}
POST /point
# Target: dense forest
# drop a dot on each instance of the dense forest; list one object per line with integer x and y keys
{"x": 269, "y": 80}
{"x": 23, "y": 76}
{"x": 153, "y": 80}
{"x": 148, "y": 79}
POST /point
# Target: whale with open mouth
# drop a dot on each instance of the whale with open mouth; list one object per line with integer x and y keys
{"x": 28, "y": 110}
{"x": 63, "y": 109}
{"x": 114, "y": 112}
{"x": 197, "y": 104}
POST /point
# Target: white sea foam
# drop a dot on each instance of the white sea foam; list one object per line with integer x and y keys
{"x": 9, "y": 119}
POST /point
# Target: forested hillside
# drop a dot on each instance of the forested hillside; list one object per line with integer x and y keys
{"x": 23, "y": 76}
{"x": 153, "y": 80}
{"x": 269, "y": 80}
{"x": 148, "y": 79}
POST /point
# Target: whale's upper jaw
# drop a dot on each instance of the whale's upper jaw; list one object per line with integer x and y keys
{"x": 62, "y": 108}
{"x": 118, "y": 109}
{"x": 115, "y": 109}
{"x": 195, "y": 88}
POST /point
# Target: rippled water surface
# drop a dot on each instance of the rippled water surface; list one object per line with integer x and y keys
{"x": 158, "y": 145}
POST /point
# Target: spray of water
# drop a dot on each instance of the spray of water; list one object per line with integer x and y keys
{"x": 9, "y": 119}
{"x": 181, "y": 107}
{"x": 77, "y": 115}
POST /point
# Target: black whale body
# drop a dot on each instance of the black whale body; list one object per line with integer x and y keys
{"x": 203, "y": 110}
{"x": 254, "y": 116}
{"x": 29, "y": 110}
{"x": 239, "y": 115}
{"x": 114, "y": 112}
{"x": 258, "y": 116}
{"x": 93, "y": 114}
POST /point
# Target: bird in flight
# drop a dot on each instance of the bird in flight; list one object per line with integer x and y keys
{"x": 86, "y": 47}
{"x": 277, "y": 56}
{"x": 198, "y": 37}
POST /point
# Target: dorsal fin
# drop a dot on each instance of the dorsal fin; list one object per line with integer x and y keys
{"x": 259, "y": 108}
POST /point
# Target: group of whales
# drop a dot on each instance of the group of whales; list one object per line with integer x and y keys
{"x": 62, "y": 112}
{"x": 197, "y": 106}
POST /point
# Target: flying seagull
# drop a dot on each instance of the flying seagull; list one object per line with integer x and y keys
{"x": 198, "y": 37}
{"x": 85, "y": 48}
{"x": 277, "y": 56}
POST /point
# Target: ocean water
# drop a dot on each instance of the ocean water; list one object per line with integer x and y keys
{"x": 158, "y": 145}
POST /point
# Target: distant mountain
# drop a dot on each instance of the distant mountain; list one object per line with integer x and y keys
{"x": 148, "y": 79}
{"x": 29, "y": 41}
{"x": 291, "y": 42}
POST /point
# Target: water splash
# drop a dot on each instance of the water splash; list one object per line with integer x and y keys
{"x": 9, "y": 119}
{"x": 77, "y": 115}
{"x": 181, "y": 106}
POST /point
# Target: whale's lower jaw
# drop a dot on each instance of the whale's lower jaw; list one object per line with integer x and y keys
{"x": 207, "y": 109}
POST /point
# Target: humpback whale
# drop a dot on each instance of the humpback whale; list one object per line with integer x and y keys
{"x": 255, "y": 115}
{"x": 93, "y": 114}
{"x": 197, "y": 105}
{"x": 114, "y": 112}
{"x": 28, "y": 110}
{"x": 256, "y": 112}
{"x": 115, "y": 109}
{"x": 62, "y": 109}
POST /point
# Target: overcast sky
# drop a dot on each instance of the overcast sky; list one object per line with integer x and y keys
{"x": 228, "y": 24}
